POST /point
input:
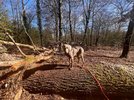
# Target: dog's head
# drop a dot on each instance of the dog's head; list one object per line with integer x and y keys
{"x": 66, "y": 48}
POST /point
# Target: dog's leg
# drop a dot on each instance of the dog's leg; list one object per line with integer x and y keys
{"x": 82, "y": 57}
{"x": 71, "y": 60}
{"x": 78, "y": 57}
{"x": 70, "y": 63}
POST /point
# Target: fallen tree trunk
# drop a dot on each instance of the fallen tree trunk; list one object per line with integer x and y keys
{"x": 29, "y": 60}
{"x": 19, "y": 65}
{"x": 11, "y": 74}
{"x": 117, "y": 82}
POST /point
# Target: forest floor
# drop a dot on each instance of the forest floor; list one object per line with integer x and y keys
{"x": 102, "y": 55}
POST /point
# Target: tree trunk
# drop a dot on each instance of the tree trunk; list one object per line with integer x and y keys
{"x": 70, "y": 22}
{"x": 12, "y": 9}
{"x": 19, "y": 65}
{"x": 60, "y": 19}
{"x": 38, "y": 10}
{"x": 26, "y": 27}
{"x": 56, "y": 28}
{"x": 96, "y": 40}
{"x": 56, "y": 20}
{"x": 78, "y": 82}
{"x": 85, "y": 30}
{"x": 91, "y": 32}
{"x": 25, "y": 24}
{"x": 128, "y": 36}
{"x": 87, "y": 13}
{"x": 97, "y": 37}
{"x": 129, "y": 33}
{"x": 60, "y": 22}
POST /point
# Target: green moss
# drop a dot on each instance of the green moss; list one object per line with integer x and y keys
{"x": 30, "y": 58}
{"x": 112, "y": 74}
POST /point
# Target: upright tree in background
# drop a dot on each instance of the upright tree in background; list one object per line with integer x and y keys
{"x": 60, "y": 19}
{"x": 87, "y": 13}
{"x": 56, "y": 19}
{"x": 129, "y": 33}
{"x": 24, "y": 22}
{"x": 70, "y": 22}
{"x": 38, "y": 11}
{"x": 76, "y": 18}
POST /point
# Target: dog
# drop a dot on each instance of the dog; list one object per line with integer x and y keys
{"x": 72, "y": 52}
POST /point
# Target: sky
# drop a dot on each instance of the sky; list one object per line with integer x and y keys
{"x": 30, "y": 6}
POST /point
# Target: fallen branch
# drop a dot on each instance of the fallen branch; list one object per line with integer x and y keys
{"x": 7, "y": 63}
{"x": 22, "y": 45}
{"x": 23, "y": 54}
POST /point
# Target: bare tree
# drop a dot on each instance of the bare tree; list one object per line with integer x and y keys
{"x": 60, "y": 19}
{"x": 87, "y": 12}
{"x": 121, "y": 6}
{"x": 91, "y": 8}
{"x": 56, "y": 19}
{"x": 70, "y": 22}
{"x": 24, "y": 22}
{"x": 38, "y": 11}
{"x": 26, "y": 26}
{"x": 126, "y": 44}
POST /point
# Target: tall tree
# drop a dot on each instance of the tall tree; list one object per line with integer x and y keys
{"x": 129, "y": 32}
{"x": 56, "y": 19}
{"x": 24, "y": 22}
{"x": 87, "y": 13}
{"x": 70, "y": 22}
{"x": 60, "y": 19}
{"x": 38, "y": 11}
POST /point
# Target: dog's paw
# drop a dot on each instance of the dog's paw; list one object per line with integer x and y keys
{"x": 69, "y": 68}
{"x": 79, "y": 66}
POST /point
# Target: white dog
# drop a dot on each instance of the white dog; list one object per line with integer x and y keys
{"x": 72, "y": 52}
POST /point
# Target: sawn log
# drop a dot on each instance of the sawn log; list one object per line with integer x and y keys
{"x": 117, "y": 81}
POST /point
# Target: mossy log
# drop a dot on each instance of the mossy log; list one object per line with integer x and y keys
{"x": 23, "y": 64}
{"x": 117, "y": 81}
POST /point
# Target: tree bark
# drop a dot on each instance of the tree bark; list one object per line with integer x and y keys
{"x": 38, "y": 10}
{"x": 24, "y": 21}
{"x": 91, "y": 32}
{"x": 56, "y": 20}
{"x": 56, "y": 29}
{"x": 129, "y": 33}
{"x": 128, "y": 36}
{"x": 60, "y": 19}
{"x": 78, "y": 82}
{"x": 60, "y": 22}
{"x": 87, "y": 13}
{"x": 19, "y": 65}
{"x": 70, "y": 22}
{"x": 97, "y": 38}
